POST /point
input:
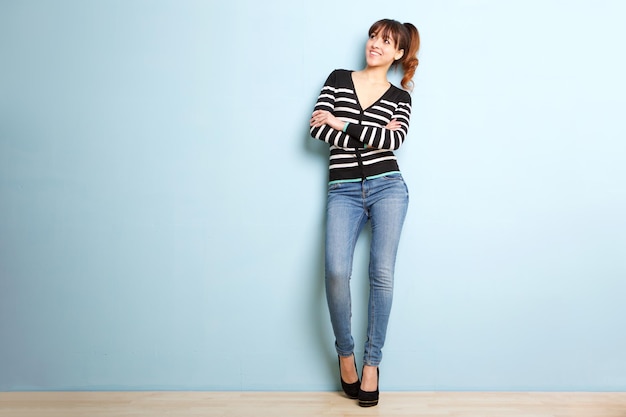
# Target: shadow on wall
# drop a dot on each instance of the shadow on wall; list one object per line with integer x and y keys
{"x": 317, "y": 297}
{"x": 321, "y": 327}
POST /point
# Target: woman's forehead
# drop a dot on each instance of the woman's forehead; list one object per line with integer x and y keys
{"x": 383, "y": 30}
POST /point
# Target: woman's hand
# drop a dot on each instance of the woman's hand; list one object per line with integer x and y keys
{"x": 324, "y": 117}
{"x": 393, "y": 125}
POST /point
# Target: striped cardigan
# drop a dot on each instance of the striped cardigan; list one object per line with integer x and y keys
{"x": 365, "y": 149}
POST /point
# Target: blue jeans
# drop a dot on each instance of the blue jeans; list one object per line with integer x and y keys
{"x": 350, "y": 205}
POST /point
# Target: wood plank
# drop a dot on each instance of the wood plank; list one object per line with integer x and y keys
{"x": 304, "y": 404}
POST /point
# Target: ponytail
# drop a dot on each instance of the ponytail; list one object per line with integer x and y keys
{"x": 409, "y": 60}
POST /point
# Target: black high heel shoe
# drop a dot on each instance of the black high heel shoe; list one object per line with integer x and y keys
{"x": 351, "y": 390}
{"x": 369, "y": 398}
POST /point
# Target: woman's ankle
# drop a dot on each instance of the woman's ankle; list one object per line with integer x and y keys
{"x": 369, "y": 379}
{"x": 348, "y": 369}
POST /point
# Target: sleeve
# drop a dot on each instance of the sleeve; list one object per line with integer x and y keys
{"x": 381, "y": 138}
{"x": 326, "y": 101}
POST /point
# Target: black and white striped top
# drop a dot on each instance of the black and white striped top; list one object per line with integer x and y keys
{"x": 365, "y": 149}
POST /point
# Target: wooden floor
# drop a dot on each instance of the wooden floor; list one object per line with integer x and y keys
{"x": 325, "y": 404}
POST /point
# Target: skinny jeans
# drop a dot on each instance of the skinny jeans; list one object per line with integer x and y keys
{"x": 384, "y": 202}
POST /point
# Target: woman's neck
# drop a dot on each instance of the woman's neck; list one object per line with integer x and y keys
{"x": 375, "y": 75}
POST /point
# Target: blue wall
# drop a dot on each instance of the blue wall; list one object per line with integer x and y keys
{"x": 161, "y": 203}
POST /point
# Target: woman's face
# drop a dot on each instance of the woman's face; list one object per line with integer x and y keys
{"x": 381, "y": 51}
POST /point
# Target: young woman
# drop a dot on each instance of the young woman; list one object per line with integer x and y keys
{"x": 365, "y": 118}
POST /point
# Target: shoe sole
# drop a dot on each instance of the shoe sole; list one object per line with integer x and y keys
{"x": 368, "y": 403}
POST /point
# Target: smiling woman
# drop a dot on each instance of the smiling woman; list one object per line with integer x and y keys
{"x": 364, "y": 118}
{"x": 388, "y": 37}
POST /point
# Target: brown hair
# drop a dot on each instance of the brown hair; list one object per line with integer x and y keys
{"x": 406, "y": 37}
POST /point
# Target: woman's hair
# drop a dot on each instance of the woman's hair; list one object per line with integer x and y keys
{"x": 406, "y": 37}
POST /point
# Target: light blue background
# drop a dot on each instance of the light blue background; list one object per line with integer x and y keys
{"x": 161, "y": 203}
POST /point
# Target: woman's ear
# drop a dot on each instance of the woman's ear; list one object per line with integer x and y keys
{"x": 399, "y": 54}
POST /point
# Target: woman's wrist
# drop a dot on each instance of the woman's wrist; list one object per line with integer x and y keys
{"x": 335, "y": 122}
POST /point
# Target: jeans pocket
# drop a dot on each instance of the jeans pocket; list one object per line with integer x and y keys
{"x": 396, "y": 180}
{"x": 393, "y": 177}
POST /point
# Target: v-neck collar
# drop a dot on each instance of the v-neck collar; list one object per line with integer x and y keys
{"x": 358, "y": 101}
